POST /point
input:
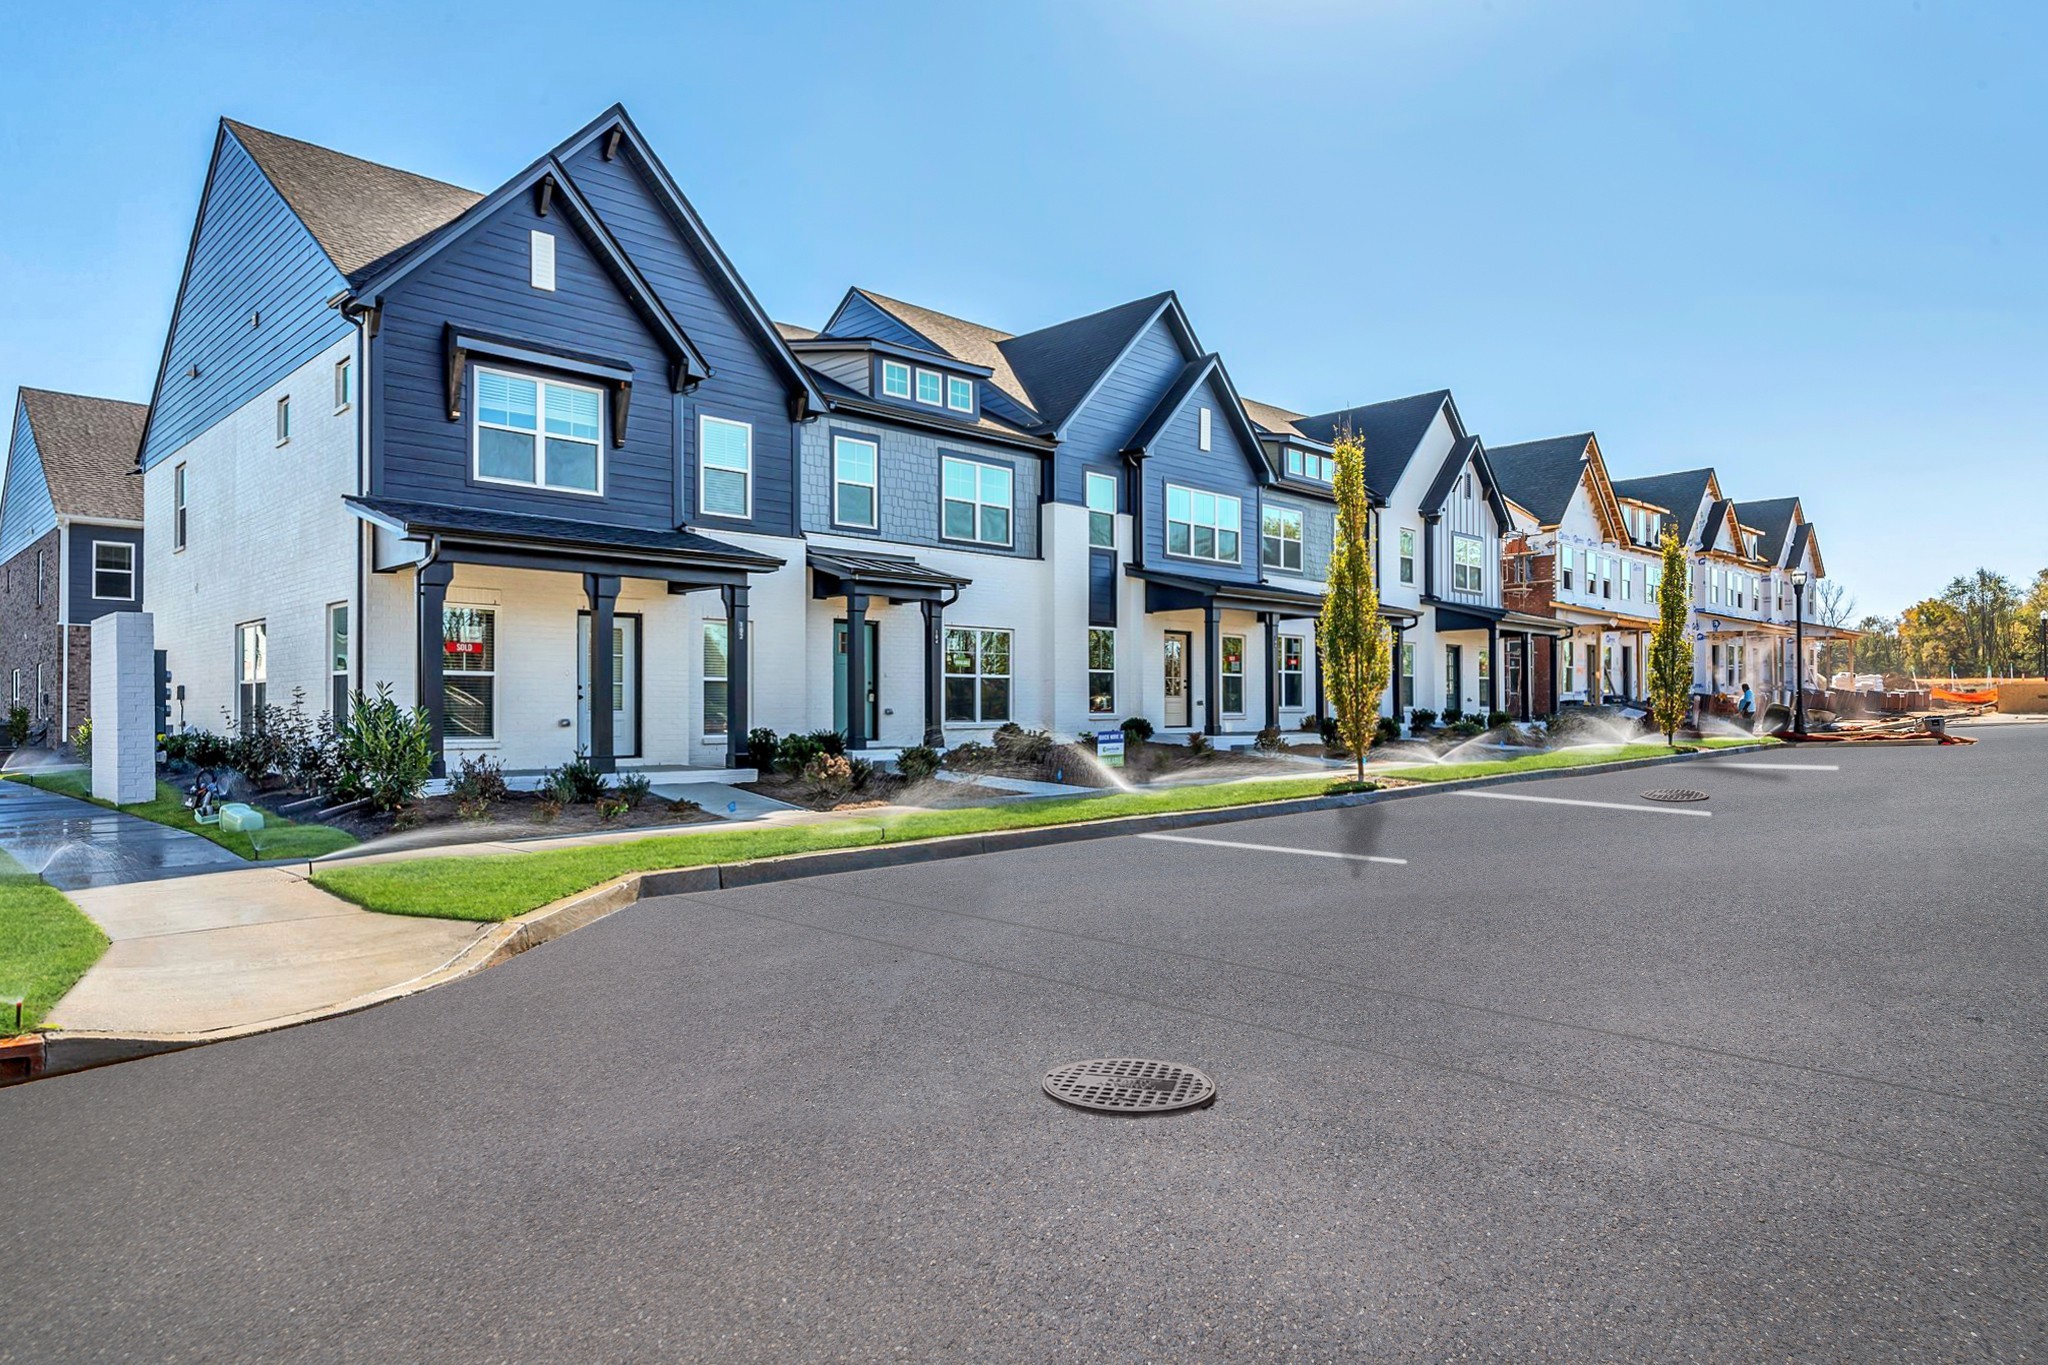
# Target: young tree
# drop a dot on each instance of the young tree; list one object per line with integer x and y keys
{"x": 1670, "y": 651}
{"x": 1357, "y": 654}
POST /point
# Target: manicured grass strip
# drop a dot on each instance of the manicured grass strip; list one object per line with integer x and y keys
{"x": 279, "y": 837}
{"x": 1555, "y": 758}
{"x": 46, "y": 944}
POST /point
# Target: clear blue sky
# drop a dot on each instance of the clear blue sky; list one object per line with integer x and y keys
{"x": 1804, "y": 243}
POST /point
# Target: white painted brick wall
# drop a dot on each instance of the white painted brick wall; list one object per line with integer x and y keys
{"x": 124, "y": 709}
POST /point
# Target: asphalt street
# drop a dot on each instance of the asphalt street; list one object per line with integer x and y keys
{"x": 1567, "y": 1082}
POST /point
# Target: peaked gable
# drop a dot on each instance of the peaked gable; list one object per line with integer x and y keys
{"x": 87, "y": 448}
{"x": 1064, "y": 365}
{"x": 1680, "y": 494}
{"x": 864, "y": 312}
{"x": 1773, "y": 520}
{"x": 26, "y": 512}
{"x": 1206, "y": 377}
{"x": 1392, "y": 431}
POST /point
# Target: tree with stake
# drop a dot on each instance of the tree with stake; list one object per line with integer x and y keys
{"x": 1357, "y": 654}
{"x": 1670, "y": 652}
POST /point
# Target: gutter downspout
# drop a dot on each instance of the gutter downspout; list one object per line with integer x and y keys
{"x": 359, "y": 317}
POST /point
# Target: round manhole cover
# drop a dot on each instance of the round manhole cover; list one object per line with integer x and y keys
{"x": 1675, "y": 794}
{"x": 1129, "y": 1085}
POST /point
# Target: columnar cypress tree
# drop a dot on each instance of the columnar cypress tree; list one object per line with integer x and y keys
{"x": 1670, "y": 651}
{"x": 1356, "y": 651}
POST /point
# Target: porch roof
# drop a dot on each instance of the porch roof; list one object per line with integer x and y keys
{"x": 520, "y": 540}
{"x": 1467, "y": 618}
{"x": 1184, "y": 592}
{"x": 1522, "y": 623}
{"x": 896, "y": 576}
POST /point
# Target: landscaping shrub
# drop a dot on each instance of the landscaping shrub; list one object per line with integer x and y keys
{"x": 1497, "y": 719}
{"x": 970, "y": 757}
{"x": 1136, "y": 731}
{"x": 547, "y": 807}
{"x": 1311, "y": 726}
{"x": 861, "y": 772}
{"x": 204, "y": 749}
{"x": 386, "y": 752}
{"x": 918, "y": 763}
{"x": 1421, "y": 718}
{"x": 1198, "y": 743}
{"x": 478, "y": 786}
{"x": 633, "y": 789}
{"x": 1452, "y": 715}
{"x": 683, "y": 805}
{"x": 17, "y": 725}
{"x": 795, "y": 752}
{"x": 580, "y": 780}
{"x": 1326, "y": 728}
{"x": 610, "y": 808}
{"x": 1387, "y": 731}
{"x": 1269, "y": 741}
{"x": 1465, "y": 727}
{"x": 81, "y": 738}
{"x": 761, "y": 743}
{"x": 829, "y": 775}
{"x": 1016, "y": 744}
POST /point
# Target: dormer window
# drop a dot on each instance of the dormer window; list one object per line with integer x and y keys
{"x": 895, "y": 379}
{"x": 1307, "y": 464}
{"x": 959, "y": 393}
{"x": 928, "y": 387}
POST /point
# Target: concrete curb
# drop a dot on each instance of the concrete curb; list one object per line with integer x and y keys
{"x": 497, "y": 943}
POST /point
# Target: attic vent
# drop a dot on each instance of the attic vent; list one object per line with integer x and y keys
{"x": 543, "y": 259}
{"x": 1204, "y": 423}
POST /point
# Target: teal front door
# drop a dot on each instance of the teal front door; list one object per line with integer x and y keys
{"x": 874, "y": 672}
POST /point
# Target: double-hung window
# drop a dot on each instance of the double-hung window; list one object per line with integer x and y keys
{"x": 337, "y": 661}
{"x": 895, "y": 379}
{"x": 717, "y": 679}
{"x": 1101, "y": 672}
{"x": 1202, "y": 525}
{"x": 469, "y": 666}
{"x": 1233, "y": 675}
{"x": 1468, "y": 568}
{"x": 959, "y": 393}
{"x": 1408, "y": 674}
{"x": 1408, "y": 556}
{"x": 1564, "y": 569}
{"x": 344, "y": 384}
{"x": 538, "y": 432}
{"x": 113, "y": 571}
{"x": 854, "y": 465}
{"x": 928, "y": 387}
{"x": 178, "y": 508}
{"x": 725, "y": 467}
{"x": 977, "y": 676}
{"x": 976, "y": 500}
{"x": 1293, "y": 675}
{"x": 1280, "y": 543}
{"x": 252, "y": 674}
{"x": 1101, "y": 491}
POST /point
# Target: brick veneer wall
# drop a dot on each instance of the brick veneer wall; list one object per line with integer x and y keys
{"x": 29, "y": 633}
{"x": 78, "y": 681}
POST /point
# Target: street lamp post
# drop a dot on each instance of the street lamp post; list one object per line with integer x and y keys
{"x": 1799, "y": 651}
{"x": 2044, "y": 642}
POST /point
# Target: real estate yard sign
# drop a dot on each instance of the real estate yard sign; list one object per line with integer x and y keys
{"x": 1109, "y": 748}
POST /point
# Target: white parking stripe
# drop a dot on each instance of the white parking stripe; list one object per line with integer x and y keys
{"x": 1786, "y": 767}
{"x": 1277, "y": 848}
{"x": 1598, "y": 805}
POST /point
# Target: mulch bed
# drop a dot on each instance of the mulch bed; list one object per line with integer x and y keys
{"x": 517, "y": 816}
{"x": 882, "y": 789}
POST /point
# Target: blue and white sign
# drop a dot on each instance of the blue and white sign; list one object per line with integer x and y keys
{"x": 1109, "y": 747}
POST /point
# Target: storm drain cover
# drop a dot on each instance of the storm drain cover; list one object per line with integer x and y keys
{"x": 1674, "y": 794}
{"x": 1129, "y": 1085}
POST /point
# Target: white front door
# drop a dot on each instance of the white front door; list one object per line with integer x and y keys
{"x": 625, "y": 685}
{"x": 1174, "y": 679}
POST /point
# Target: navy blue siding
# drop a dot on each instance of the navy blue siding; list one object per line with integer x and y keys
{"x": 251, "y": 256}
{"x": 1098, "y": 432}
{"x": 859, "y": 318}
{"x": 1177, "y": 457}
{"x": 748, "y": 381}
{"x": 84, "y": 607}
{"x": 26, "y": 512}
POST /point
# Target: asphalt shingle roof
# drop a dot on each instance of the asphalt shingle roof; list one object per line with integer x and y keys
{"x": 358, "y": 211}
{"x": 791, "y": 332}
{"x": 88, "y": 447}
{"x": 1772, "y": 519}
{"x": 1542, "y": 475}
{"x": 1060, "y": 364}
{"x": 1678, "y": 494}
{"x": 1277, "y": 420}
{"x": 1392, "y": 431}
{"x": 423, "y": 518}
{"x": 959, "y": 338}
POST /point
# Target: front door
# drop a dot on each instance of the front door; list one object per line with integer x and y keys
{"x": 1512, "y": 660}
{"x": 874, "y": 670}
{"x": 1179, "y": 645}
{"x": 625, "y": 685}
{"x": 1628, "y": 672}
{"x": 1454, "y": 678}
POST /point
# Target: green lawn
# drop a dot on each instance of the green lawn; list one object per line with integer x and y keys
{"x": 498, "y": 886}
{"x": 1557, "y": 758}
{"x": 45, "y": 944}
{"x": 279, "y": 837}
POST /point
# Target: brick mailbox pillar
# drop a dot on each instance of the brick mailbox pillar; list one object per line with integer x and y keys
{"x": 124, "y": 707}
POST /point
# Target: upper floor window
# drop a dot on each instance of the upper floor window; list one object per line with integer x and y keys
{"x": 854, "y": 464}
{"x": 178, "y": 508}
{"x": 1307, "y": 464}
{"x": 113, "y": 571}
{"x": 1202, "y": 525}
{"x": 1407, "y": 566}
{"x": 928, "y": 387}
{"x": 1203, "y": 422}
{"x": 1468, "y": 567}
{"x": 1280, "y": 541}
{"x": 725, "y": 468}
{"x": 284, "y": 419}
{"x": 41, "y": 556}
{"x": 540, "y": 433}
{"x": 959, "y": 393}
{"x": 344, "y": 384}
{"x": 895, "y": 379}
{"x": 1101, "y": 491}
{"x": 541, "y": 259}
{"x": 977, "y": 500}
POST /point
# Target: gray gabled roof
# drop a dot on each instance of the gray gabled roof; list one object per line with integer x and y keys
{"x": 959, "y": 338}
{"x": 359, "y": 212}
{"x": 1392, "y": 431}
{"x": 1678, "y": 494}
{"x": 1277, "y": 421}
{"x": 1542, "y": 475}
{"x": 88, "y": 451}
{"x": 1773, "y": 520}
{"x": 1059, "y": 365}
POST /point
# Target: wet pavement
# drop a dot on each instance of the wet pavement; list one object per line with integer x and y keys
{"x": 74, "y": 844}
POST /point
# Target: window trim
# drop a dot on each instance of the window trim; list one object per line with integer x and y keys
{"x": 1404, "y": 556}
{"x": 1299, "y": 565}
{"x": 979, "y": 675}
{"x": 343, "y": 654}
{"x": 1010, "y": 471}
{"x": 1224, "y": 674}
{"x": 344, "y": 384}
{"x": 704, "y": 420}
{"x": 917, "y": 388}
{"x": 909, "y": 383}
{"x": 964, "y": 383}
{"x": 1167, "y": 523}
{"x": 99, "y": 596}
{"x": 261, "y": 626}
{"x": 1299, "y": 673}
{"x": 1091, "y": 480}
{"x": 284, "y": 419}
{"x": 705, "y": 733}
{"x": 1459, "y": 540}
{"x": 493, "y": 673}
{"x": 179, "y": 520}
{"x": 874, "y": 485}
{"x": 538, "y": 483}
{"x": 1093, "y": 671}
{"x": 42, "y": 574}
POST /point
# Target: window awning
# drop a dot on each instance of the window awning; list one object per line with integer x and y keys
{"x": 900, "y": 578}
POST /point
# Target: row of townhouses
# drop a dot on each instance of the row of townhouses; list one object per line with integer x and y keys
{"x": 538, "y": 460}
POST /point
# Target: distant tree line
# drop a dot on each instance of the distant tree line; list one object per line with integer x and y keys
{"x": 1981, "y": 625}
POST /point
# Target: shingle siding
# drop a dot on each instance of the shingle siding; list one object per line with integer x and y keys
{"x": 908, "y": 476}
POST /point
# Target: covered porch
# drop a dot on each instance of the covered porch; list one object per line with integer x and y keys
{"x": 1529, "y": 680}
{"x": 1225, "y": 672}
{"x": 865, "y": 582}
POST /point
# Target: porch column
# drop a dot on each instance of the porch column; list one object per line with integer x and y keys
{"x": 934, "y": 672}
{"x": 1272, "y": 624}
{"x": 603, "y": 592}
{"x": 1322, "y": 700}
{"x": 856, "y": 670}
{"x": 1556, "y": 674}
{"x": 433, "y": 581}
{"x": 1212, "y": 669}
{"x": 737, "y": 721}
{"x": 1528, "y": 667}
{"x": 1394, "y": 676}
{"x": 1492, "y": 668}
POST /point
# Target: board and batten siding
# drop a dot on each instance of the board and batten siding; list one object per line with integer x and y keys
{"x": 26, "y": 511}
{"x": 1177, "y": 458}
{"x": 253, "y": 307}
{"x": 1468, "y": 515}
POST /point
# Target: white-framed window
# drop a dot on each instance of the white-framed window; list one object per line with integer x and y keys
{"x": 725, "y": 467}
{"x": 1309, "y": 464}
{"x": 1202, "y": 525}
{"x": 337, "y": 661}
{"x": 855, "y": 463}
{"x": 1293, "y": 672}
{"x": 344, "y": 383}
{"x": 42, "y": 692}
{"x": 252, "y": 673}
{"x": 1715, "y": 582}
{"x": 541, "y": 259}
{"x": 1407, "y": 565}
{"x": 977, "y": 676}
{"x": 1628, "y": 580}
{"x": 717, "y": 679}
{"x": 538, "y": 433}
{"x": 178, "y": 508}
{"x": 17, "y": 684}
{"x": 976, "y": 501}
{"x": 284, "y": 419}
{"x": 1101, "y": 672}
{"x": 1233, "y": 675}
{"x": 1280, "y": 539}
{"x": 113, "y": 571}
{"x": 42, "y": 574}
{"x": 469, "y": 666}
{"x": 1468, "y": 564}
{"x": 928, "y": 387}
{"x": 1564, "y": 568}
{"x": 895, "y": 379}
{"x": 1408, "y": 674}
{"x": 1204, "y": 421}
{"x": 1100, "y": 490}
{"x": 959, "y": 393}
